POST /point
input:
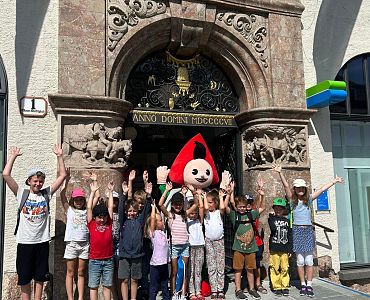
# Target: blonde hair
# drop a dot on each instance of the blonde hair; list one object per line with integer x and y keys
{"x": 147, "y": 224}
{"x": 140, "y": 195}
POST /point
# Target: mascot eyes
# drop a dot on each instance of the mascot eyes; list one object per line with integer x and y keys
{"x": 195, "y": 171}
{"x": 208, "y": 172}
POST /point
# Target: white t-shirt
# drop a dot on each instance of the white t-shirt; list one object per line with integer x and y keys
{"x": 213, "y": 225}
{"x": 196, "y": 237}
{"x": 34, "y": 223}
{"x": 76, "y": 228}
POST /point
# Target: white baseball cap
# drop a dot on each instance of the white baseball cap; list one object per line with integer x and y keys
{"x": 299, "y": 183}
{"x": 33, "y": 172}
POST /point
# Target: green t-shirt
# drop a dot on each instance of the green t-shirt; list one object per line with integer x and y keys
{"x": 244, "y": 232}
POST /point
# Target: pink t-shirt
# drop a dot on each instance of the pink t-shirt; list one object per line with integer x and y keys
{"x": 160, "y": 248}
{"x": 179, "y": 231}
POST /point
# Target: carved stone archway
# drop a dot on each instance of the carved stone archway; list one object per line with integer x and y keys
{"x": 233, "y": 48}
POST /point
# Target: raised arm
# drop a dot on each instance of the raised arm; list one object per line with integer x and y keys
{"x": 122, "y": 203}
{"x": 287, "y": 189}
{"x": 14, "y": 153}
{"x": 205, "y": 202}
{"x": 58, "y": 151}
{"x": 163, "y": 198}
{"x": 230, "y": 190}
{"x": 327, "y": 186}
{"x": 201, "y": 205}
{"x": 131, "y": 178}
{"x": 153, "y": 219}
{"x": 194, "y": 206}
{"x": 63, "y": 197}
{"x": 148, "y": 190}
{"x": 90, "y": 203}
{"x": 261, "y": 196}
{"x": 110, "y": 205}
{"x": 224, "y": 199}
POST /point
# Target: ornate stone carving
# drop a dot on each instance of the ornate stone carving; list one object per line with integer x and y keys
{"x": 252, "y": 28}
{"x": 125, "y": 13}
{"x": 269, "y": 144}
{"x": 95, "y": 145}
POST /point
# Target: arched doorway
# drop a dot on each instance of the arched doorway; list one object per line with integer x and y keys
{"x": 3, "y": 130}
{"x": 174, "y": 99}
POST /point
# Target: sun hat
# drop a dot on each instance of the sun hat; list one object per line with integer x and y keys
{"x": 100, "y": 210}
{"x": 78, "y": 192}
{"x": 299, "y": 183}
{"x": 279, "y": 202}
{"x": 33, "y": 172}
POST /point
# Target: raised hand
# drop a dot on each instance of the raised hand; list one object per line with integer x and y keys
{"x": 14, "y": 151}
{"x": 162, "y": 173}
{"x": 132, "y": 175}
{"x": 57, "y": 149}
{"x": 94, "y": 186}
{"x": 110, "y": 186}
{"x": 145, "y": 177}
{"x": 338, "y": 179}
{"x": 168, "y": 186}
{"x": 190, "y": 187}
{"x": 124, "y": 187}
{"x": 148, "y": 188}
{"x": 276, "y": 168}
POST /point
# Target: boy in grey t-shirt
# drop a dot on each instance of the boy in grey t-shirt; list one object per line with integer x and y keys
{"x": 33, "y": 234}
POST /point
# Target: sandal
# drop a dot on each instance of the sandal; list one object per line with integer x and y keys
{"x": 221, "y": 295}
{"x": 261, "y": 289}
{"x": 200, "y": 297}
{"x": 193, "y": 297}
{"x": 214, "y": 296}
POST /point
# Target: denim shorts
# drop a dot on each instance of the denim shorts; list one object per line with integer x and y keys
{"x": 100, "y": 270}
{"x": 180, "y": 250}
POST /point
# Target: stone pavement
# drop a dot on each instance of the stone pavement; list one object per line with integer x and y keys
{"x": 323, "y": 290}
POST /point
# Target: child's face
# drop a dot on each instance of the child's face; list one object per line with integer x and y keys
{"x": 278, "y": 210}
{"x": 242, "y": 207}
{"x": 131, "y": 213}
{"x": 36, "y": 183}
{"x": 300, "y": 191}
{"x": 193, "y": 215}
{"x": 211, "y": 204}
{"x": 177, "y": 207}
{"x": 249, "y": 205}
{"x": 79, "y": 202}
{"x": 101, "y": 220}
{"x": 141, "y": 204}
{"x": 159, "y": 225}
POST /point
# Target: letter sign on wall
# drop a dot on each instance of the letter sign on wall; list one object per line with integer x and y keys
{"x": 33, "y": 106}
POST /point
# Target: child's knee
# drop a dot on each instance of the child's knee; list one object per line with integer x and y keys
{"x": 125, "y": 281}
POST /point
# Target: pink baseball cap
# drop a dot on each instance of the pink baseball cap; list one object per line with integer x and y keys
{"x": 78, "y": 192}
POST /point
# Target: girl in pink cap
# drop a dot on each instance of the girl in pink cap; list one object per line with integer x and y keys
{"x": 76, "y": 238}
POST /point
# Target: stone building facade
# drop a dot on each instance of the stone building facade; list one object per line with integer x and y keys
{"x": 79, "y": 55}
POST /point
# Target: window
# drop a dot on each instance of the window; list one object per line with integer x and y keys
{"x": 356, "y": 74}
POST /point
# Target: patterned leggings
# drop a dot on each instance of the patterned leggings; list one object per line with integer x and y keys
{"x": 215, "y": 254}
{"x": 196, "y": 264}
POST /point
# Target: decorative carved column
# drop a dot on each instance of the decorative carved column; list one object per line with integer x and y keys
{"x": 270, "y": 136}
{"x": 93, "y": 136}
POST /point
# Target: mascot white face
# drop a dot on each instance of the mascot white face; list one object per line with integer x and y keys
{"x": 198, "y": 172}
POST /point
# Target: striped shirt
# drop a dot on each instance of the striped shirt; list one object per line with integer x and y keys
{"x": 179, "y": 230}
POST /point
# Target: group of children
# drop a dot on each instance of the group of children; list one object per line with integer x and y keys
{"x": 123, "y": 234}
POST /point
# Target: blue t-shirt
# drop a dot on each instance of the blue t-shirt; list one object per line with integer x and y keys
{"x": 302, "y": 213}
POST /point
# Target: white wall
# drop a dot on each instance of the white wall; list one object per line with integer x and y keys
{"x": 333, "y": 32}
{"x": 28, "y": 46}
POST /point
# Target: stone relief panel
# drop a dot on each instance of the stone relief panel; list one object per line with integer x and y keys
{"x": 95, "y": 145}
{"x": 252, "y": 27}
{"x": 123, "y": 14}
{"x": 270, "y": 144}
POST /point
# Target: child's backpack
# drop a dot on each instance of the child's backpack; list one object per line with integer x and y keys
{"x": 248, "y": 236}
{"x": 24, "y": 198}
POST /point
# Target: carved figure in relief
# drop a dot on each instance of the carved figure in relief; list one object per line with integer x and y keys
{"x": 278, "y": 145}
{"x": 96, "y": 144}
